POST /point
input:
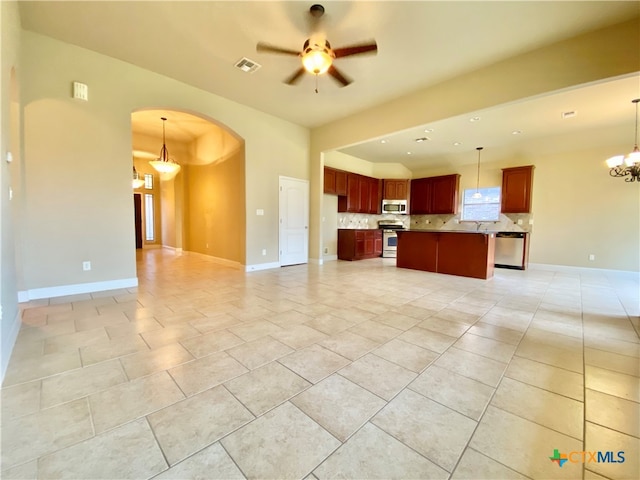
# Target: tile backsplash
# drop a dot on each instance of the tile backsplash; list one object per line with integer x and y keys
{"x": 507, "y": 222}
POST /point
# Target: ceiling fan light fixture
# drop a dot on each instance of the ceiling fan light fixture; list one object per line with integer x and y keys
{"x": 317, "y": 60}
{"x": 165, "y": 164}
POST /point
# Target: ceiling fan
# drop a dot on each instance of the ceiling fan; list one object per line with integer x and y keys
{"x": 317, "y": 55}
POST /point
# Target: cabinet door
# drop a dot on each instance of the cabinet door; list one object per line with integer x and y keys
{"x": 369, "y": 243}
{"x": 341, "y": 182}
{"x": 374, "y": 196}
{"x": 420, "y": 196}
{"x": 516, "y": 189}
{"x": 444, "y": 194}
{"x": 329, "y": 180}
{"x": 353, "y": 193}
{"x": 389, "y": 189}
{"x": 377, "y": 243}
{"x": 365, "y": 192}
{"x": 401, "y": 189}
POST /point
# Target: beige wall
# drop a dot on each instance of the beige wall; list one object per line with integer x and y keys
{"x": 611, "y": 52}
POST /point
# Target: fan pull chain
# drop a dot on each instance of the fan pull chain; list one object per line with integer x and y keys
{"x": 316, "y": 83}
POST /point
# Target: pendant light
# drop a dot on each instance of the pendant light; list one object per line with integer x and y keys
{"x": 164, "y": 164}
{"x": 137, "y": 182}
{"x": 628, "y": 165}
{"x": 478, "y": 194}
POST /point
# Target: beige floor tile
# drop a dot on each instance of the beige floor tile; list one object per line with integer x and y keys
{"x": 204, "y": 373}
{"x": 215, "y": 323}
{"x": 472, "y": 365}
{"x": 211, "y": 342}
{"x": 375, "y": 331}
{"x": 604, "y": 440}
{"x": 151, "y": 361}
{"x": 109, "y": 349}
{"x": 547, "y": 377}
{"x": 612, "y": 361}
{"x": 448, "y": 432}
{"x": 170, "y": 334}
{"x": 133, "y": 400}
{"x": 190, "y": 425}
{"x": 339, "y": 405}
{"x": 480, "y": 467}
{"x": 37, "y": 434}
{"x": 589, "y": 475}
{"x": 621, "y": 347}
{"x": 133, "y": 327}
{"x": 314, "y": 362}
{"x": 613, "y": 412}
{"x": 254, "y": 330}
{"x": 349, "y": 345}
{"x": 26, "y": 471}
{"x": 179, "y": 318}
{"x": 459, "y": 393}
{"x": 378, "y": 375}
{"x": 299, "y": 336}
{"x": 406, "y": 355}
{"x": 72, "y": 341}
{"x": 551, "y": 355}
{"x": 266, "y": 387}
{"x": 612, "y": 383}
{"x": 434, "y": 341}
{"x": 26, "y": 370}
{"x": 210, "y": 463}
{"x": 283, "y": 443}
{"x": 373, "y": 454}
{"x": 486, "y": 347}
{"x": 96, "y": 321}
{"x": 20, "y": 400}
{"x": 80, "y": 383}
{"x": 495, "y": 332}
{"x": 446, "y": 327}
{"x": 524, "y": 446}
{"x": 540, "y": 406}
{"x": 399, "y": 320}
{"x": 556, "y": 340}
{"x": 457, "y": 316}
{"x": 288, "y": 318}
{"x": 330, "y": 324}
{"x": 517, "y": 323}
{"x": 24, "y": 350}
{"x": 259, "y": 352}
{"x": 129, "y": 452}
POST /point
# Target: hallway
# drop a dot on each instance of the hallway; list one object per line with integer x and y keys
{"x": 346, "y": 370}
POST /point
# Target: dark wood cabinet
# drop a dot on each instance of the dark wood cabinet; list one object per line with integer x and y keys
{"x": 335, "y": 181}
{"x": 359, "y": 244}
{"x": 468, "y": 254}
{"x": 435, "y": 195}
{"x": 375, "y": 190}
{"x": 395, "y": 190}
{"x": 363, "y": 195}
{"x": 517, "y": 184}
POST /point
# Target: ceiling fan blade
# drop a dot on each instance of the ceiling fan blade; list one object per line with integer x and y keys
{"x": 295, "y": 77}
{"x": 265, "y": 47}
{"x": 355, "y": 50}
{"x": 335, "y": 73}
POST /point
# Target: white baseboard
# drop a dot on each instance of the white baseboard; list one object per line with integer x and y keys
{"x": 316, "y": 261}
{"x": 330, "y": 258}
{"x": 64, "y": 290}
{"x": 8, "y": 342}
{"x": 261, "y": 266}
{"x": 582, "y": 270}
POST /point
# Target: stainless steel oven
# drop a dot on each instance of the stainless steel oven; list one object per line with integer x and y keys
{"x": 390, "y": 237}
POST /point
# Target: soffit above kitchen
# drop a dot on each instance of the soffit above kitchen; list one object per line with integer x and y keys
{"x": 419, "y": 43}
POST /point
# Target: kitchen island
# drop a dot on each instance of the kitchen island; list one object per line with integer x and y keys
{"x": 463, "y": 253}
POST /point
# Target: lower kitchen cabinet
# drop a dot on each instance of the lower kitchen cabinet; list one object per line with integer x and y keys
{"x": 358, "y": 244}
{"x": 467, "y": 254}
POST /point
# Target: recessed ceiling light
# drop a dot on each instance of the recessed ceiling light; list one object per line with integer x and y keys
{"x": 422, "y": 139}
{"x": 457, "y": 144}
{"x": 383, "y": 141}
{"x": 428, "y": 130}
{"x": 474, "y": 119}
{"x": 408, "y": 153}
{"x": 516, "y": 132}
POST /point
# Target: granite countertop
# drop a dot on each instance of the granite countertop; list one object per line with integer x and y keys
{"x": 483, "y": 232}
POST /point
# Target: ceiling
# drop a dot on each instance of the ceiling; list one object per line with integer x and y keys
{"x": 420, "y": 43}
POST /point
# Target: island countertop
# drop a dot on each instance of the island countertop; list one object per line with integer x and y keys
{"x": 442, "y": 251}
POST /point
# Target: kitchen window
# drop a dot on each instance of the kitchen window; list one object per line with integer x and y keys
{"x": 481, "y": 205}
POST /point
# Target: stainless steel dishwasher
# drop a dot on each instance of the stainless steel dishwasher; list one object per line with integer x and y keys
{"x": 511, "y": 250}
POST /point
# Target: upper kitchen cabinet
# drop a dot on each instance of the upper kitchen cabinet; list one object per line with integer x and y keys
{"x": 335, "y": 181}
{"x": 517, "y": 184}
{"x": 363, "y": 195}
{"x": 435, "y": 195}
{"x": 395, "y": 190}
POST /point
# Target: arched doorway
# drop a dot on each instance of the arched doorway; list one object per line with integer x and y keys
{"x": 201, "y": 208}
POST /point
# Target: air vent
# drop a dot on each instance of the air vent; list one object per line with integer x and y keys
{"x": 247, "y": 65}
{"x": 569, "y": 114}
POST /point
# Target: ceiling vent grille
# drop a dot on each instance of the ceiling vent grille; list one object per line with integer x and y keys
{"x": 247, "y": 65}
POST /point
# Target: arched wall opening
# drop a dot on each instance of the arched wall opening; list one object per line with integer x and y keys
{"x": 201, "y": 209}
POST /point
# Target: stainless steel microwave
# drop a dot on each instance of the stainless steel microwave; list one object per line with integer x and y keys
{"x": 394, "y": 206}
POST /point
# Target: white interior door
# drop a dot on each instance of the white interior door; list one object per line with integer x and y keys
{"x": 294, "y": 221}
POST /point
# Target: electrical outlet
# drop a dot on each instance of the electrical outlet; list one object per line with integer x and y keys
{"x": 326, "y": 250}
{"x": 86, "y": 266}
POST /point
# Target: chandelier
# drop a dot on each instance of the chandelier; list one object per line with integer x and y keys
{"x": 164, "y": 164}
{"x": 628, "y": 165}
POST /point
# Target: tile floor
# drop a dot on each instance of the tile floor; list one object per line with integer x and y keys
{"x": 347, "y": 370}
